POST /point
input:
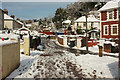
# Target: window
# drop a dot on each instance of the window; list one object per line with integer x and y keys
{"x": 114, "y": 29}
{"x": 110, "y": 15}
{"x": 106, "y": 30}
{"x": 77, "y": 24}
{"x": 92, "y": 24}
{"x": 84, "y": 24}
{"x": 93, "y": 35}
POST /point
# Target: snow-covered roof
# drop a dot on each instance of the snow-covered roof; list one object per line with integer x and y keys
{"x": 20, "y": 22}
{"x": 91, "y": 18}
{"x": 23, "y": 29}
{"x": 108, "y": 42}
{"x": 28, "y": 25}
{"x": 110, "y": 5}
{"x": 67, "y": 21}
{"x": 7, "y": 17}
{"x": 93, "y": 30}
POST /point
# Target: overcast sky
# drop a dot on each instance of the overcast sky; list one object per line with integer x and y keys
{"x": 39, "y": 0}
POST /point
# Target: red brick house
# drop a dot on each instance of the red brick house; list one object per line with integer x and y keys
{"x": 109, "y": 19}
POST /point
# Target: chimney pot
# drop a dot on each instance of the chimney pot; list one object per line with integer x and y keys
{"x": 12, "y": 16}
{"x": 6, "y": 11}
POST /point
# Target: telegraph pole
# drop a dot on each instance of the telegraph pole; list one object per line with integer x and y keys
{"x": 86, "y": 12}
{"x": 86, "y": 15}
{"x": 86, "y": 33}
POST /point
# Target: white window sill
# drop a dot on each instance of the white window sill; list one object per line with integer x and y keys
{"x": 114, "y": 34}
{"x": 106, "y": 34}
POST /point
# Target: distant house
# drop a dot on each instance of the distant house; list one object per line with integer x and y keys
{"x": 11, "y": 23}
{"x": 8, "y": 22}
{"x": 66, "y": 23}
{"x": 24, "y": 31}
{"x": 28, "y": 26}
{"x": 1, "y": 19}
{"x": 95, "y": 13}
{"x": 92, "y": 22}
{"x": 109, "y": 19}
{"x": 17, "y": 24}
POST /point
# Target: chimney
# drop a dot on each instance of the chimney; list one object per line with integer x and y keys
{"x": 5, "y": 11}
{"x": 12, "y": 16}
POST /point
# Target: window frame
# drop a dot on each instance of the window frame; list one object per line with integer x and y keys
{"x": 112, "y": 29}
{"x": 107, "y": 29}
{"x": 84, "y": 24}
{"x": 108, "y": 13}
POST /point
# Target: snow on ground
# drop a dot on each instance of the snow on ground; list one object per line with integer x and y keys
{"x": 94, "y": 49}
{"x": 25, "y": 64}
{"x": 35, "y": 52}
{"x": 65, "y": 64}
{"x": 102, "y": 66}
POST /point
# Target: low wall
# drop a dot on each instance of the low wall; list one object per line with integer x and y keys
{"x": 10, "y": 58}
{"x": 26, "y": 46}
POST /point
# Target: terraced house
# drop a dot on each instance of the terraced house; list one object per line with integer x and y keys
{"x": 109, "y": 19}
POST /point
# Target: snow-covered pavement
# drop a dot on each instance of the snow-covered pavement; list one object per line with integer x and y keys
{"x": 59, "y": 63}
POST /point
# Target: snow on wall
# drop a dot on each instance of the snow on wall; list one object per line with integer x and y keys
{"x": 9, "y": 41}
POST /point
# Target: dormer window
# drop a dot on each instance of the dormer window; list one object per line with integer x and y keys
{"x": 110, "y": 14}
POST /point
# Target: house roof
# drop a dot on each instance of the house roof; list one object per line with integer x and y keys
{"x": 23, "y": 28}
{"x": 20, "y": 22}
{"x": 28, "y": 25}
{"x": 67, "y": 21}
{"x": 110, "y": 5}
{"x": 7, "y": 17}
{"x": 91, "y": 18}
{"x": 93, "y": 31}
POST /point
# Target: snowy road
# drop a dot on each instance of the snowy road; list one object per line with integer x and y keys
{"x": 59, "y": 62}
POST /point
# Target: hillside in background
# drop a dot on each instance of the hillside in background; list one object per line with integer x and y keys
{"x": 75, "y": 9}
